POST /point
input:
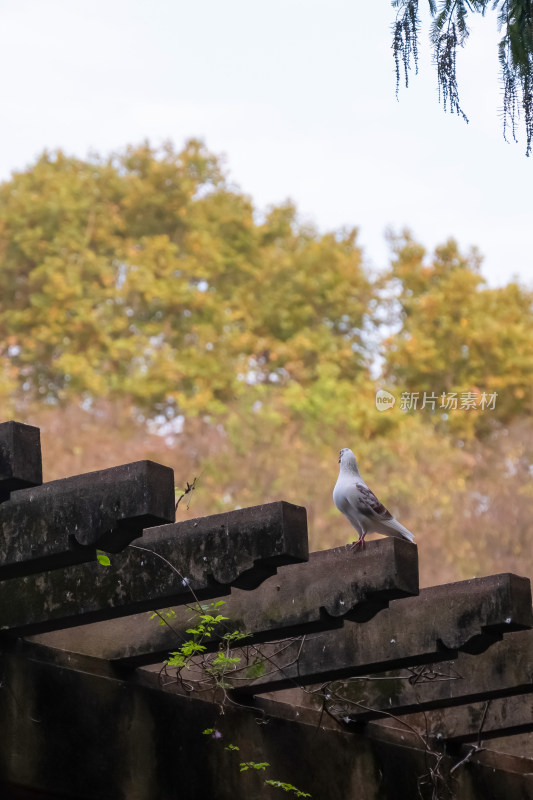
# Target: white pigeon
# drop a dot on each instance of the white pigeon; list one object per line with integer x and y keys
{"x": 360, "y": 505}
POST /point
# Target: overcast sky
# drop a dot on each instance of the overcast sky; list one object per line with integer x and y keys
{"x": 300, "y": 97}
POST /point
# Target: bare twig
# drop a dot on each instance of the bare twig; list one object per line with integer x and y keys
{"x": 185, "y": 581}
{"x": 189, "y": 490}
{"x": 474, "y": 748}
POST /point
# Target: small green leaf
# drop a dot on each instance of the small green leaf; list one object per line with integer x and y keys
{"x": 102, "y": 558}
{"x": 176, "y": 661}
{"x": 235, "y": 636}
{"x": 255, "y": 670}
{"x": 189, "y": 648}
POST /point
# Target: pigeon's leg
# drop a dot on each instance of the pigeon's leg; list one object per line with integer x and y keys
{"x": 359, "y": 543}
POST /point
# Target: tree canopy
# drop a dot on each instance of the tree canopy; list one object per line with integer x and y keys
{"x": 449, "y": 30}
{"x": 144, "y": 275}
{"x": 458, "y": 335}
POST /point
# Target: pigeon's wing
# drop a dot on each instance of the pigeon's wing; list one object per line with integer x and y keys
{"x": 368, "y": 504}
{"x": 380, "y": 518}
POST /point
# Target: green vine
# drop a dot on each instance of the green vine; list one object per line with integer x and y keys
{"x": 206, "y": 624}
{"x": 259, "y": 766}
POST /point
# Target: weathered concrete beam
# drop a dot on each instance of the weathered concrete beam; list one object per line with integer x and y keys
{"x": 494, "y": 719}
{"x": 502, "y": 716}
{"x": 467, "y": 616}
{"x": 74, "y": 729}
{"x": 20, "y": 457}
{"x": 206, "y": 555}
{"x": 61, "y": 522}
{"x": 486, "y": 774}
{"x": 334, "y": 584}
{"x": 504, "y": 669}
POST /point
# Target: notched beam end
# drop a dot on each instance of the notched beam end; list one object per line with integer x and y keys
{"x": 242, "y": 547}
{"x": 20, "y": 457}
{"x": 61, "y": 522}
{"x": 145, "y": 499}
{"x": 513, "y": 597}
{"x": 367, "y": 580}
{"x": 289, "y": 544}
{"x": 293, "y": 520}
{"x": 253, "y": 577}
{"x": 520, "y": 616}
{"x": 485, "y": 609}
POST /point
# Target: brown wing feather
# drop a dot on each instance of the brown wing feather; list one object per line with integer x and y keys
{"x": 369, "y": 505}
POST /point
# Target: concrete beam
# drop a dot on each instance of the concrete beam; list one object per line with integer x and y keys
{"x": 504, "y": 669}
{"x": 61, "y": 522}
{"x": 73, "y": 728}
{"x": 20, "y": 458}
{"x": 206, "y": 555}
{"x": 502, "y": 716}
{"x": 318, "y": 595}
{"x": 466, "y": 616}
{"x": 474, "y": 774}
{"x": 493, "y": 719}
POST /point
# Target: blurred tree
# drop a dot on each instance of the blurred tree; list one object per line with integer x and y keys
{"x": 449, "y": 29}
{"x": 146, "y": 276}
{"x": 459, "y": 336}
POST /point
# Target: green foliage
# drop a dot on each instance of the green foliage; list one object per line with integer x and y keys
{"x": 256, "y": 669}
{"x": 164, "y": 616}
{"x": 145, "y": 277}
{"x": 216, "y": 668}
{"x": 458, "y": 335}
{"x": 179, "y": 657}
{"x": 235, "y": 636}
{"x": 220, "y": 664}
{"x": 287, "y": 787}
{"x": 257, "y": 766}
{"x": 246, "y": 765}
{"x": 205, "y": 626}
{"x": 450, "y": 30}
{"x": 102, "y": 558}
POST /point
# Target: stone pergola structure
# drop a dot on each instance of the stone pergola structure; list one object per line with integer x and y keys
{"x": 352, "y": 682}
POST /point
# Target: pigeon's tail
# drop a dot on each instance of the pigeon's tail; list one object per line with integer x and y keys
{"x": 407, "y": 535}
{"x": 394, "y": 528}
